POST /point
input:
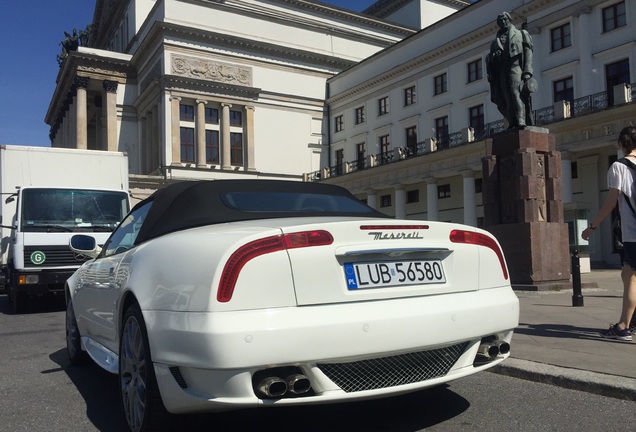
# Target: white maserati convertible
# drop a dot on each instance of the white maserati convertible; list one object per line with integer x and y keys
{"x": 216, "y": 295}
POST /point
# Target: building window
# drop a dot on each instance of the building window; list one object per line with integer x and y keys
{"x": 360, "y": 115}
{"x": 412, "y": 196}
{"x": 212, "y": 146}
{"x": 574, "y": 168}
{"x": 236, "y": 148}
{"x": 385, "y": 149}
{"x": 187, "y": 145}
{"x": 615, "y": 74}
{"x": 360, "y": 162}
{"x": 383, "y": 105}
{"x": 409, "y": 96}
{"x": 339, "y": 123}
{"x": 441, "y": 132}
{"x": 474, "y": 71}
{"x": 479, "y": 185}
{"x": 476, "y": 119}
{"x": 561, "y": 37}
{"x": 614, "y": 16}
{"x": 212, "y": 116}
{"x": 441, "y": 84}
{"x": 186, "y": 113}
{"x": 443, "y": 191}
{"x": 236, "y": 118}
{"x": 411, "y": 139}
{"x": 385, "y": 201}
{"x": 563, "y": 90}
{"x": 339, "y": 161}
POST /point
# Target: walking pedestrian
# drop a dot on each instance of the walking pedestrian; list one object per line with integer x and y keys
{"x": 621, "y": 178}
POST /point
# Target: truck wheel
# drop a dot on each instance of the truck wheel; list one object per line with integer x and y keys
{"x": 76, "y": 355}
{"x": 140, "y": 398}
{"x": 17, "y": 300}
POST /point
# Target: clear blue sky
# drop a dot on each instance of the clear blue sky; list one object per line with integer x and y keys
{"x": 32, "y": 31}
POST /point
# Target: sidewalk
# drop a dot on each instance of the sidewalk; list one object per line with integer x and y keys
{"x": 559, "y": 343}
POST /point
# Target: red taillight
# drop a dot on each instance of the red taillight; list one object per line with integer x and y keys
{"x": 254, "y": 249}
{"x": 307, "y": 239}
{"x": 460, "y": 236}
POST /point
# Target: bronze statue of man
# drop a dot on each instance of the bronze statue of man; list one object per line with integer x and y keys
{"x": 509, "y": 68}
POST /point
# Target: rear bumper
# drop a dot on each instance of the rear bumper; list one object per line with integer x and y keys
{"x": 217, "y": 353}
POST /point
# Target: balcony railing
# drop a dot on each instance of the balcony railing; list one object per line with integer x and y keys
{"x": 578, "y": 107}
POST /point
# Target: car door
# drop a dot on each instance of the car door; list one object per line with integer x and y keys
{"x": 103, "y": 280}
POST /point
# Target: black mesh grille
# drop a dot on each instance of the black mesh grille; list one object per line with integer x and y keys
{"x": 176, "y": 374}
{"x": 53, "y": 256}
{"x": 394, "y": 370}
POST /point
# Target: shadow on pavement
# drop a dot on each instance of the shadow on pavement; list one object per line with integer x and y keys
{"x": 99, "y": 390}
{"x": 405, "y": 413}
{"x": 558, "y": 331}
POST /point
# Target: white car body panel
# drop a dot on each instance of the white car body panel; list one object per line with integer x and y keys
{"x": 292, "y": 307}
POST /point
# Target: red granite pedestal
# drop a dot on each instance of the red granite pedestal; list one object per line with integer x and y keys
{"x": 523, "y": 207}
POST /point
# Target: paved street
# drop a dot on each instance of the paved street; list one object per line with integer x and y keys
{"x": 41, "y": 391}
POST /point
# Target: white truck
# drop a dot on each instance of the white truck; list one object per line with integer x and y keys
{"x": 49, "y": 194}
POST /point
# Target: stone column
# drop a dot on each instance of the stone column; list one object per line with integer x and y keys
{"x": 147, "y": 140}
{"x": 566, "y": 175}
{"x": 200, "y": 128}
{"x": 400, "y": 201}
{"x": 372, "y": 199}
{"x": 249, "y": 138}
{"x": 584, "y": 23}
{"x": 81, "y": 119}
{"x": 110, "y": 89}
{"x": 175, "y": 129}
{"x": 432, "y": 199}
{"x": 470, "y": 205}
{"x": 157, "y": 151}
{"x": 226, "y": 161}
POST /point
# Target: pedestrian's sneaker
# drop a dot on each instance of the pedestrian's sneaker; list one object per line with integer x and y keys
{"x": 615, "y": 333}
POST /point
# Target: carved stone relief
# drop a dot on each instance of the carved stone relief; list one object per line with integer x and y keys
{"x": 211, "y": 70}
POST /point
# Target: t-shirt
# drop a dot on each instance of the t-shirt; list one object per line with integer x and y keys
{"x": 623, "y": 178}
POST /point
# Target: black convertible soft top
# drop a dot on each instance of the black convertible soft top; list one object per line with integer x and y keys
{"x": 190, "y": 204}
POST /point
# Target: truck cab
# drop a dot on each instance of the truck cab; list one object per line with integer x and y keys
{"x": 45, "y": 218}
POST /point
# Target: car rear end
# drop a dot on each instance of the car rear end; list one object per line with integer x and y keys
{"x": 315, "y": 310}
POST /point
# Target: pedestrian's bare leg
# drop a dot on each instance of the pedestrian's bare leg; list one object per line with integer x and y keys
{"x": 629, "y": 296}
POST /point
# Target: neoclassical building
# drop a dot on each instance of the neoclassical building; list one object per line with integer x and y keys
{"x": 408, "y": 126}
{"x": 209, "y": 89}
{"x": 392, "y": 103}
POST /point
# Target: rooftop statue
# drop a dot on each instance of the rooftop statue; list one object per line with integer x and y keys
{"x": 509, "y": 69}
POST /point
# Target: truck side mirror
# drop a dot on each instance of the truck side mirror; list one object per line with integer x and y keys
{"x": 85, "y": 245}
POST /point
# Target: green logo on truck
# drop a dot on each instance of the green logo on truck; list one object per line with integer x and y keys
{"x": 38, "y": 257}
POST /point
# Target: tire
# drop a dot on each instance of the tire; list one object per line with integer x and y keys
{"x": 138, "y": 389}
{"x": 76, "y": 355}
{"x": 17, "y": 300}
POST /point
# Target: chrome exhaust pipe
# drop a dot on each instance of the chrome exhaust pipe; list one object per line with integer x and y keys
{"x": 272, "y": 387}
{"x": 488, "y": 350}
{"x": 503, "y": 346}
{"x": 298, "y": 384}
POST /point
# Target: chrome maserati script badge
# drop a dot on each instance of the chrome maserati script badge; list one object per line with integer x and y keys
{"x": 379, "y": 235}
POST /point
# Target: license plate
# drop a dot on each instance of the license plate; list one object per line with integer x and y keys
{"x": 384, "y": 274}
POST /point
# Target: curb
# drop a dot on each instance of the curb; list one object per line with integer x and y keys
{"x": 613, "y": 386}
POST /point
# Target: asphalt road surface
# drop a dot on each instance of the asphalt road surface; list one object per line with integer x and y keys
{"x": 40, "y": 391}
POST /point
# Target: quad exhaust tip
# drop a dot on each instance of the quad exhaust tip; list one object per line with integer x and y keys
{"x": 493, "y": 349}
{"x": 274, "y": 387}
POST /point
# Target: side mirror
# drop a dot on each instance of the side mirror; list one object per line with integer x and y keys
{"x": 85, "y": 245}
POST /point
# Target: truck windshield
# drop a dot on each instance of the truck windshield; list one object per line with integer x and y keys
{"x": 47, "y": 210}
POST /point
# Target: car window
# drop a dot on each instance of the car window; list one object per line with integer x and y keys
{"x": 125, "y": 235}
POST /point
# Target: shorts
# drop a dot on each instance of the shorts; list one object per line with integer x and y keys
{"x": 629, "y": 254}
